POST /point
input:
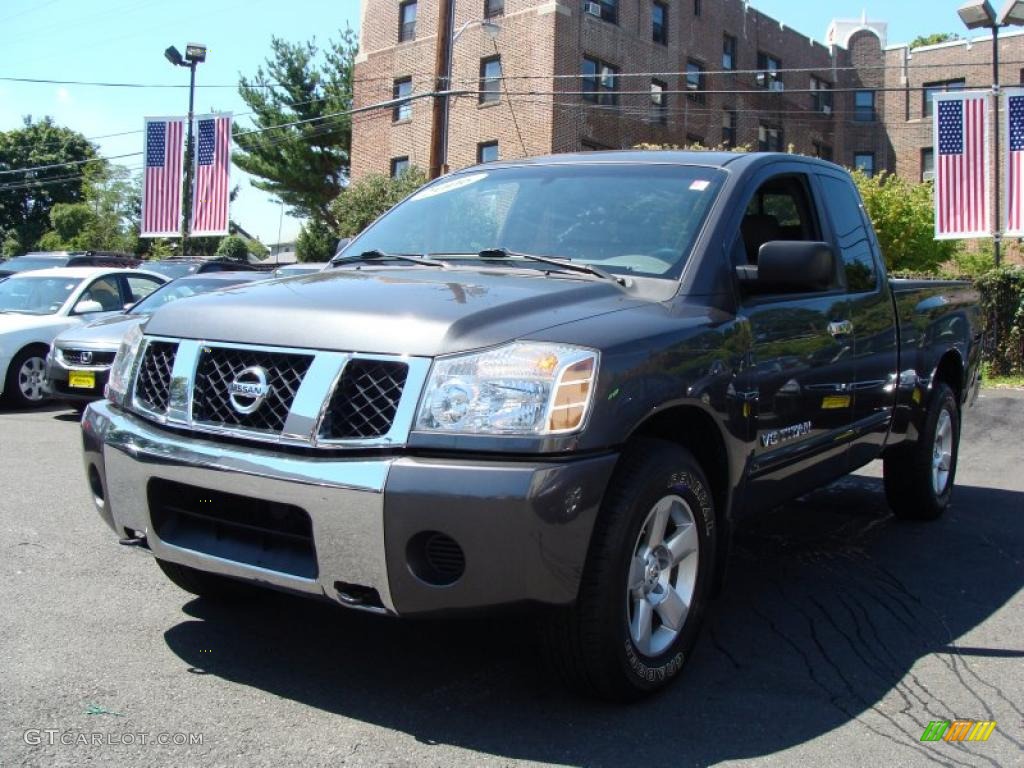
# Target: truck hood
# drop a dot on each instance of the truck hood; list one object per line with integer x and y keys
{"x": 413, "y": 310}
{"x": 101, "y": 334}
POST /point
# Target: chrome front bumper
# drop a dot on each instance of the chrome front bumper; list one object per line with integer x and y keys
{"x": 524, "y": 526}
{"x": 344, "y": 498}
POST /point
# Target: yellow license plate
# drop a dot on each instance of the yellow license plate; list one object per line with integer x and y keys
{"x": 82, "y": 379}
{"x": 833, "y": 402}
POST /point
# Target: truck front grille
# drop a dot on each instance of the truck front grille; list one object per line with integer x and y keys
{"x": 153, "y": 385}
{"x": 365, "y": 400}
{"x": 220, "y": 366}
{"x": 242, "y": 529}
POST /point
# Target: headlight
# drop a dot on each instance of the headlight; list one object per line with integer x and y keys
{"x": 120, "y": 382}
{"x": 525, "y": 388}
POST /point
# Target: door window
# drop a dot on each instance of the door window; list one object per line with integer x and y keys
{"x": 140, "y": 287}
{"x": 851, "y": 234}
{"x": 105, "y": 292}
{"x": 779, "y": 210}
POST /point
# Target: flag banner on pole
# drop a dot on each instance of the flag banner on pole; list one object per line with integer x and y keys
{"x": 212, "y": 173}
{"x": 1013, "y": 127}
{"x": 161, "y": 182}
{"x": 962, "y": 162}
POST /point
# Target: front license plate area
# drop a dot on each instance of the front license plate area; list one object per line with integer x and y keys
{"x": 82, "y": 379}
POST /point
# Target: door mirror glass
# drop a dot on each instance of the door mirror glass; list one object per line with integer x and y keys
{"x": 87, "y": 307}
{"x": 790, "y": 266}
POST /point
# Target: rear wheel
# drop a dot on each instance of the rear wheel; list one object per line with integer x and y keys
{"x": 647, "y": 579}
{"x": 919, "y": 478}
{"x": 24, "y": 385}
{"x": 201, "y": 583}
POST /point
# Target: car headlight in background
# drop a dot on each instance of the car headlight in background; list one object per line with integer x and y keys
{"x": 120, "y": 382}
{"x": 524, "y": 388}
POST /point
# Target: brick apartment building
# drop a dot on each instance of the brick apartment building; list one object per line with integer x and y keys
{"x": 581, "y": 75}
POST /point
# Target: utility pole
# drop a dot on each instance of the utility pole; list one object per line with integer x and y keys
{"x": 443, "y": 83}
{"x": 997, "y": 237}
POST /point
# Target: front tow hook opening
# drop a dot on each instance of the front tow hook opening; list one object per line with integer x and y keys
{"x": 358, "y": 596}
{"x": 134, "y": 539}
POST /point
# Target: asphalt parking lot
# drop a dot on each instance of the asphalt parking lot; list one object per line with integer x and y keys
{"x": 840, "y": 634}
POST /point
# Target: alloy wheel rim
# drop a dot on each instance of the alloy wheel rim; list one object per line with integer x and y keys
{"x": 662, "y": 576}
{"x": 942, "y": 452}
{"x": 30, "y": 378}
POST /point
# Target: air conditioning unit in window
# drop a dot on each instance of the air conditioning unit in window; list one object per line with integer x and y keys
{"x": 928, "y": 176}
{"x": 777, "y": 85}
{"x": 594, "y": 9}
{"x": 826, "y": 109}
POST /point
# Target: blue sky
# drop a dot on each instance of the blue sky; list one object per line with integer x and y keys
{"x": 123, "y": 40}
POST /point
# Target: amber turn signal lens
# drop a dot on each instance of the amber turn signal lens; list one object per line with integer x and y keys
{"x": 572, "y": 393}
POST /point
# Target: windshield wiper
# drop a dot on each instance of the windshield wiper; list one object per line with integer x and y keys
{"x": 376, "y": 254}
{"x": 578, "y": 266}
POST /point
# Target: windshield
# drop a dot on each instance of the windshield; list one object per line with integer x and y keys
{"x": 171, "y": 269}
{"x": 628, "y": 219}
{"x": 177, "y": 290}
{"x": 36, "y": 294}
{"x": 25, "y": 263}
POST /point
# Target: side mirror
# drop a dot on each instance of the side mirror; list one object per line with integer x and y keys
{"x": 129, "y": 305}
{"x": 785, "y": 266}
{"x": 87, "y": 307}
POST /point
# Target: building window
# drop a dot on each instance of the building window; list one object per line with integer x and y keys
{"x": 487, "y": 152}
{"x": 603, "y": 9}
{"x": 930, "y": 89}
{"x": 693, "y": 140}
{"x": 490, "y": 79}
{"x": 864, "y": 106}
{"x": 659, "y": 23}
{"x": 822, "y": 151}
{"x": 659, "y": 105}
{"x": 599, "y": 82}
{"x": 821, "y": 95}
{"x": 493, "y": 8}
{"x": 696, "y": 7}
{"x": 402, "y": 90}
{"x": 768, "y": 72}
{"x": 928, "y": 164}
{"x": 864, "y": 161}
{"x": 407, "y": 21}
{"x": 729, "y": 128}
{"x": 399, "y": 165}
{"x": 695, "y": 81}
{"x": 728, "y": 52}
{"x": 769, "y": 138}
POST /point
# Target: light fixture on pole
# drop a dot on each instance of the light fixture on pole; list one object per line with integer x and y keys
{"x": 492, "y": 29}
{"x": 195, "y": 54}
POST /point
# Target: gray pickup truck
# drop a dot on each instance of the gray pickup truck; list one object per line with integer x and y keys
{"x": 556, "y": 382}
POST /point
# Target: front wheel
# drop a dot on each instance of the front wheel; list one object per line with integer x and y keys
{"x": 647, "y": 578}
{"x": 919, "y": 478}
{"x": 24, "y": 385}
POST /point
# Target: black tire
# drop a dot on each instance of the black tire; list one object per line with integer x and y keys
{"x": 590, "y": 644}
{"x": 909, "y": 483}
{"x": 201, "y": 583}
{"x": 13, "y": 393}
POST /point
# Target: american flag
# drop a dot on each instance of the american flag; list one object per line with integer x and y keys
{"x": 212, "y": 173}
{"x": 962, "y": 166}
{"x": 161, "y": 183}
{"x": 1015, "y": 160}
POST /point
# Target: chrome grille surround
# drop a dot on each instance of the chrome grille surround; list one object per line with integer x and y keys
{"x": 303, "y": 422}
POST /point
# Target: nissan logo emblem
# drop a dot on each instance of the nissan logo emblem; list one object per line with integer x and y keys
{"x": 249, "y": 389}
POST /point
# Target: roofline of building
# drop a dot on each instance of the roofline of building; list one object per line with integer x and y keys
{"x": 969, "y": 41}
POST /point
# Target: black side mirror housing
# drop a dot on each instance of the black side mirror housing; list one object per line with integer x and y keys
{"x": 785, "y": 266}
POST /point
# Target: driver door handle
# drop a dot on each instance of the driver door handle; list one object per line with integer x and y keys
{"x": 841, "y": 328}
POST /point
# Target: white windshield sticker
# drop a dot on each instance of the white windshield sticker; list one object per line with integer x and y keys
{"x": 448, "y": 186}
{"x": 699, "y": 186}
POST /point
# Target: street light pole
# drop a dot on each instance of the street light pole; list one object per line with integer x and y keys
{"x": 186, "y": 192}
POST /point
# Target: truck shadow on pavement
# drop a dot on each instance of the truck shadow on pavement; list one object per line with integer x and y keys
{"x": 829, "y": 605}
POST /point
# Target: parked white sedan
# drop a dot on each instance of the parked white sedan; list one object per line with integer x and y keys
{"x": 36, "y": 306}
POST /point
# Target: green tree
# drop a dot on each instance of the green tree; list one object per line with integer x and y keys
{"x": 316, "y": 241}
{"x": 304, "y": 165}
{"x": 903, "y": 214}
{"x": 371, "y": 196}
{"x": 26, "y": 198}
{"x": 233, "y": 248}
{"x": 933, "y": 39}
{"x": 107, "y": 218}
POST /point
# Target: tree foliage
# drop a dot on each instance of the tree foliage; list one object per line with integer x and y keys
{"x": 233, "y": 248}
{"x": 26, "y": 199}
{"x": 933, "y": 39}
{"x": 903, "y": 214}
{"x": 371, "y": 196}
{"x": 107, "y": 218}
{"x": 316, "y": 241}
{"x": 304, "y": 165}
